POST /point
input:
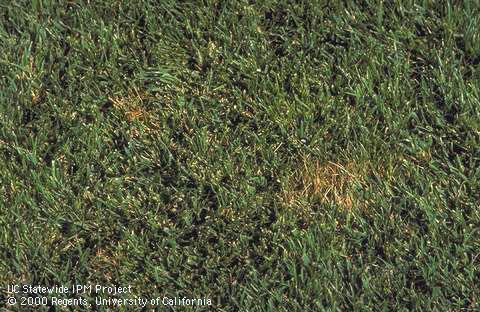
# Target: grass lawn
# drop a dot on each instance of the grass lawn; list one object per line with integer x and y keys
{"x": 264, "y": 155}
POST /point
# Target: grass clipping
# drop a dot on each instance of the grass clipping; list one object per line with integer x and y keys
{"x": 325, "y": 182}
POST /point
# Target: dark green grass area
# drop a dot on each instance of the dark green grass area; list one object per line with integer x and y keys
{"x": 269, "y": 155}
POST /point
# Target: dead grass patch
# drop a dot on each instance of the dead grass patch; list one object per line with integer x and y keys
{"x": 103, "y": 261}
{"x": 133, "y": 108}
{"x": 328, "y": 182}
{"x": 338, "y": 183}
{"x": 131, "y": 105}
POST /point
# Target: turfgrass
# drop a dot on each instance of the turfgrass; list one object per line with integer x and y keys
{"x": 272, "y": 155}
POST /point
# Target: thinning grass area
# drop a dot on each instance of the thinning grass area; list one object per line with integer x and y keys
{"x": 272, "y": 155}
{"x": 328, "y": 182}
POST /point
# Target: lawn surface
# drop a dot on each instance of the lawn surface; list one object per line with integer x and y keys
{"x": 268, "y": 155}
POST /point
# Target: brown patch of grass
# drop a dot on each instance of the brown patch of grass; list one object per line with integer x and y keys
{"x": 104, "y": 261}
{"x": 327, "y": 182}
{"x": 133, "y": 109}
{"x": 36, "y": 97}
{"x": 421, "y": 158}
{"x": 335, "y": 183}
{"x": 104, "y": 258}
{"x": 131, "y": 105}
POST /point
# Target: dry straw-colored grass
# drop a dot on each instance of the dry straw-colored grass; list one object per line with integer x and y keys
{"x": 133, "y": 108}
{"x": 131, "y": 105}
{"x": 327, "y": 182}
{"x": 337, "y": 183}
{"x": 104, "y": 259}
